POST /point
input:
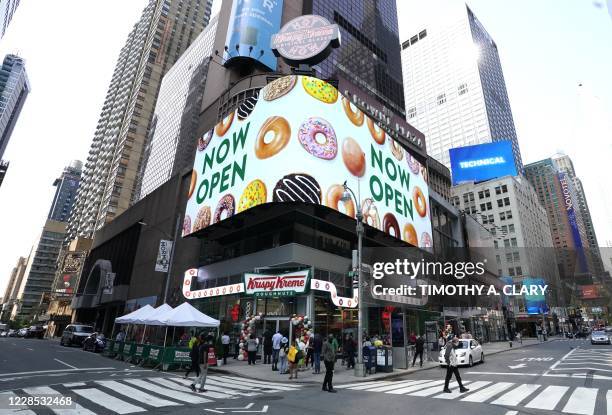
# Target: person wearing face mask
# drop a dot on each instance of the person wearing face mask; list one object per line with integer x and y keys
{"x": 329, "y": 358}
{"x": 451, "y": 362}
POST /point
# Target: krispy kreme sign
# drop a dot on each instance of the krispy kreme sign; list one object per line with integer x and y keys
{"x": 276, "y": 285}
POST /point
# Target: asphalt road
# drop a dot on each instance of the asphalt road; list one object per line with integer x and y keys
{"x": 560, "y": 377}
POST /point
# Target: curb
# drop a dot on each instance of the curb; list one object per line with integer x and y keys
{"x": 378, "y": 378}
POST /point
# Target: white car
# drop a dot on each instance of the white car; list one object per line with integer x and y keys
{"x": 599, "y": 337}
{"x": 468, "y": 352}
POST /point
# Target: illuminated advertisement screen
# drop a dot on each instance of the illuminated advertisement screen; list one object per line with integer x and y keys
{"x": 589, "y": 292}
{"x": 298, "y": 142}
{"x": 572, "y": 220}
{"x": 535, "y": 304}
{"x": 482, "y": 162}
{"x": 251, "y": 26}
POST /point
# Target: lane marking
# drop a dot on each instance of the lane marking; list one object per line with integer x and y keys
{"x": 36, "y": 372}
{"x": 548, "y": 398}
{"x": 503, "y": 373}
{"x": 515, "y": 396}
{"x": 172, "y": 385}
{"x": 368, "y": 385}
{"x": 65, "y": 364}
{"x": 257, "y": 382}
{"x": 152, "y": 387}
{"x": 609, "y": 402}
{"x": 455, "y": 391}
{"x": 45, "y": 390}
{"x": 108, "y": 401}
{"x": 349, "y": 385}
{"x": 487, "y": 393}
{"x": 252, "y": 384}
{"x": 136, "y": 394}
{"x": 415, "y": 387}
{"x": 582, "y": 401}
{"x": 396, "y": 386}
{"x": 433, "y": 390}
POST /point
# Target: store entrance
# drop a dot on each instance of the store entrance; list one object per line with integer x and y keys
{"x": 274, "y": 324}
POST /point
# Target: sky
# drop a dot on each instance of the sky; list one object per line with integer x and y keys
{"x": 547, "y": 48}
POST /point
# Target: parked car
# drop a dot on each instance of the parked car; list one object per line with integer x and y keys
{"x": 599, "y": 337}
{"x": 75, "y": 334}
{"x": 95, "y": 343}
{"x": 4, "y": 333}
{"x": 11, "y": 333}
{"x": 22, "y": 332}
{"x": 468, "y": 352}
{"x": 35, "y": 332}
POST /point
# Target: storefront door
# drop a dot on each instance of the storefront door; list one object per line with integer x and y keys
{"x": 274, "y": 324}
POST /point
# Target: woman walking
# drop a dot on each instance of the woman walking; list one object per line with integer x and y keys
{"x": 252, "y": 349}
{"x": 282, "y": 355}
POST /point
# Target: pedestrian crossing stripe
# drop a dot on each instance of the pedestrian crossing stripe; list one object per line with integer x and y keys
{"x": 557, "y": 399}
{"x": 127, "y": 396}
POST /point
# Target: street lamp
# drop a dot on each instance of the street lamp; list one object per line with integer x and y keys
{"x": 347, "y": 195}
{"x": 173, "y": 239}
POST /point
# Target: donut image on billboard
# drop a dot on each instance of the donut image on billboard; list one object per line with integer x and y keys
{"x": 298, "y": 142}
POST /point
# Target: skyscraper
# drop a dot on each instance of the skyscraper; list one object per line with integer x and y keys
{"x": 175, "y": 120}
{"x": 10, "y": 292}
{"x": 109, "y": 183}
{"x": 454, "y": 85}
{"x": 14, "y": 88}
{"x": 7, "y": 9}
{"x": 370, "y": 55}
{"x": 66, "y": 188}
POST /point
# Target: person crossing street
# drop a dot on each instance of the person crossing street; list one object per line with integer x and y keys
{"x": 418, "y": 350}
{"x": 203, "y": 348}
{"x": 451, "y": 362}
{"x": 329, "y": 358}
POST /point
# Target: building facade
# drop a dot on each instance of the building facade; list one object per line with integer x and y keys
{"x": 66, "y": 187}
{"x": 14, "y": 89}
{"x": 12, "y": 288}
{"x": 7, "y": 9}
{"x": 40, "y": 271}
{"x": 370, "y": 55}
{"x": 110, "y": 178}
{"x": 454, "y": 85}
{"x": 175, "y": 120}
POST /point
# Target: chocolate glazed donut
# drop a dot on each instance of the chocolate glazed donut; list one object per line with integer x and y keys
{"x": 389, "y": 222}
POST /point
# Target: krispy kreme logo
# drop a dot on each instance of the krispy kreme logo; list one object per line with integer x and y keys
{"x": 258, "y": 283}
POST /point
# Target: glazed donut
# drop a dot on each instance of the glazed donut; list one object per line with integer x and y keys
{"x": 279, "y": 87}
{"x": 320, "y": 90}
{"x": 410, "y": 234}
{"x": 204, "y": 141}
{"x": 396, "y": 149}
{"x": 254, "y": 194}
{"x": 192, "y": 185}
{"x": 202, "y": 220}
{"x": 354, "y": 157}
{"x": 369, "y": 211}
{"x": 227, "y": 204}
{"x": 389, "y": 222}
{"x": 355, "y": 116}
{"x": 282, "y": 132}
{"x": 333, "y": 198}
{"x": 426, "y": 241}
{"x": 378, "y": 134}
{"x": 186, "y": 225}
{"x": 413, "y": 164}
{"x": 419, "y": 201}
{"x": 224, "y": 125}
{"x": 310, "y": 133}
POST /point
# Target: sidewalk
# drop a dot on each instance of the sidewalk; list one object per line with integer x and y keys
{"x": 341, "y": 374}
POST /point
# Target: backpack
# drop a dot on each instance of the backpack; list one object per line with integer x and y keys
{"x": 292, "y": 354}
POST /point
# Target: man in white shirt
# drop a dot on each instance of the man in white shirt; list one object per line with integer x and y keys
{"x": 225, "y": 341}
{"x": 276, "y": 345}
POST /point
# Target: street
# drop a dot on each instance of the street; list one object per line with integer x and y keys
{"x": 563, "y": 376}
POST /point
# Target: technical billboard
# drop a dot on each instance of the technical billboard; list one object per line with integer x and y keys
{"x": 535, "y": 304}
{"x": 482, "y": 162}
{"x": 298, "y": 143}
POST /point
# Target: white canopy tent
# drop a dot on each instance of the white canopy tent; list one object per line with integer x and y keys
{"x": 156, "y": 317}
{"x": 186, "y": 315}
{"x": 142, "y": 312}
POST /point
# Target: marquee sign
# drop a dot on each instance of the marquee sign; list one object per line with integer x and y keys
{"x": 276, "y": 285}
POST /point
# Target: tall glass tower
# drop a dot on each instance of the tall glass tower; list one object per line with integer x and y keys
{"x": 14, "y": 88}
{"x": 66, "y": 187}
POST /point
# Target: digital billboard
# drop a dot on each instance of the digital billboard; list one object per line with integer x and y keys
{"x": 589, "y": 292}
{"x": 535, "y": 303}
{"x": 568, "y": 203}
{"x": 249, "y": 33}
{"x": 482, "y": 162}
{"x": 300, "y": 142}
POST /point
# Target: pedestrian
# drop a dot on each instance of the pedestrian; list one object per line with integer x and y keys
{"x": 519, "y": 338}
{"x": 367, "y": 342}
{"x": 412, "y": 338}
{"x": 276, "y": 347}
{"x": 451, "y": 362}
{"x": 441, "y": 341}
{"x": 419, "y": 346}
{"x": 335, "y": 346}
{"x": 203, "y": 349}
{"x": 282, "y": 355}
{"x": 236, "y": 347}
{"x": 316, "y": 347}
{"x": 225, "y": 344}
{"x": 293, "y": 357}
{"x": 267, "y": 347}
{"x": 302, "y": 349}
{"x": 329, "y": 358}
{"x": 194, "y": 355}
{"x": 120, "y": 336}
{"x": 252, "y": 349}
{"x": 349, "y": 351}
{"x": 309, "y": 353}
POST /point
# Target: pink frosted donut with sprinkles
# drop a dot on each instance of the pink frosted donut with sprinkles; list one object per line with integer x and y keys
{"x": 318, "y": 138}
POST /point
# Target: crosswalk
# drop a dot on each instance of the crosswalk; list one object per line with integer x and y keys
{"x": 556, "y": 399}
{"x": 127, "y": 396}
{"x": 581, "y": 360}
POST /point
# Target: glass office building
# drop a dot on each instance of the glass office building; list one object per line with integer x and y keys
{"x": 14, "y": 88}
{"x": 66, "y": 187}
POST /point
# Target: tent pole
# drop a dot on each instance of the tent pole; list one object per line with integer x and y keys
{"x": 165, "y": 335}
{"x": 112, "y": 335}
{"x": 173, "y": 333}
{"x": 143, "y": 333}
